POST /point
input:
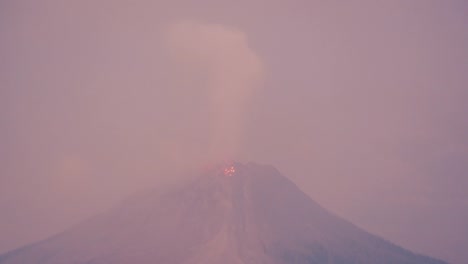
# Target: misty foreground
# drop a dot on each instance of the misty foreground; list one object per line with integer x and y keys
{"x": 247, "y": 214}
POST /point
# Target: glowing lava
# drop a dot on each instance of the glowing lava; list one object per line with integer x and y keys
{"x": 229, "y": 171}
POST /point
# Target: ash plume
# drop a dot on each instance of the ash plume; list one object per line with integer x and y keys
{"x": 230, "y": 69}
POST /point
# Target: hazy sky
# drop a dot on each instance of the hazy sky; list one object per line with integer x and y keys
{"x": 363, "y": 104}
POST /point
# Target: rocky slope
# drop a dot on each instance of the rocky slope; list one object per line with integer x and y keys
{"x": 234, "y": 215}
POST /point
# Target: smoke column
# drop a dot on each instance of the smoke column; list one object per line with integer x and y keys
{"x": 230, "y": 70}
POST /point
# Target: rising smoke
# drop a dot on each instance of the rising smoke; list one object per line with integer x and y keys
{"x": 230, "y": 69}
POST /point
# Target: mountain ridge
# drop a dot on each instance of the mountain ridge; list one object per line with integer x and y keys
{"x": 231, "y": 213}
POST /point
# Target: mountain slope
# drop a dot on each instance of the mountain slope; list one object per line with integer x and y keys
{"x": 241, "y": 214}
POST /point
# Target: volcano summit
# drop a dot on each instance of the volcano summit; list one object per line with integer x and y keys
{"x": 237, "y": 214}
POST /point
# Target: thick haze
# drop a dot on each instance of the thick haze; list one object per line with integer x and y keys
{"x": 363, "y": 104}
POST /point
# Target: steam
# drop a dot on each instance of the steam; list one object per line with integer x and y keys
{"x": 231, "y": 70}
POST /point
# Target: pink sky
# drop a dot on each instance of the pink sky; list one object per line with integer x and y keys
{"x": 360, "y": 103}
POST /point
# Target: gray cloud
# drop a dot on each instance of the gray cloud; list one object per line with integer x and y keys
{"x": 230, "y": 70}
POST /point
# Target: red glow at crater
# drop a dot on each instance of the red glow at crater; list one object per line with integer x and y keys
{"x": 229, "y": 171}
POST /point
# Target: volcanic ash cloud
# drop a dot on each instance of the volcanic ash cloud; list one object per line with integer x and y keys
{"x": 231, "y": 70}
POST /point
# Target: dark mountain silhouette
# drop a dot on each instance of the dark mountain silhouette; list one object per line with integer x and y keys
{"x": 235, "y": 214}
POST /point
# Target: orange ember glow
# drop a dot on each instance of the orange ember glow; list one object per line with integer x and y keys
{"x": 229, "y": 171}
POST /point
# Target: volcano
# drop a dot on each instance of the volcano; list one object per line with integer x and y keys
{"x": 235, "y": 214}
